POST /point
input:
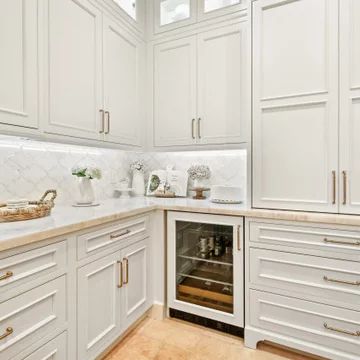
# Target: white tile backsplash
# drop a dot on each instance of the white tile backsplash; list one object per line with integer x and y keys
{"x": 28, "y": 167}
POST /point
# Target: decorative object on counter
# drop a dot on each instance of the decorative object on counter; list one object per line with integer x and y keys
{"x": 199, "y": 193}
{"x": 199, "y": 173}
{"x": 227, "y": 194}
{"x": 138, "y": 181}
{"x": 175, "y": 181}
{"x": 123, "y": 188}
{"x": 17, "y": 204}
{"x": 86, "y": 205}
{"x": 34, "y": 209}
{"x": 164, "y": 191}
{"x": 85, "y": 174}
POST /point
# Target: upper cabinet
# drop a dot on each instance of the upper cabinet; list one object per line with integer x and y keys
{"x": 173, "y": 14}
{"x": 350, "y": 106}
{"x": 295, "y": 104}
{"x": 19, "y": 63}
{"x": 201, "y": 88}
{"x": 92, "y": 68}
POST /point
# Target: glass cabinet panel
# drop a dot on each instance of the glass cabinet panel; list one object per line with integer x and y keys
{"x": 204, "y": 265}
{"x": 129, "y": 6}
{"x": 211, "y": 5}
{"x": 172, "y": 11}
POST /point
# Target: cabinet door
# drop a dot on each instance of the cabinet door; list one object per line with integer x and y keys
{"x": 99, "y": 305}
{"x": 135, "y": 290}
{"x": 206, "y": 277}
{"x": 295, "y": 104}
{"x": 350, "y": 106}
{"x": 175, "y": 92}
{"x": 73, "y": 68}
{"x": 222, "y": 93}
{"x": 18, "y": 63}
{"x": 123, "y": 56}
{"x": 172, "y": 14}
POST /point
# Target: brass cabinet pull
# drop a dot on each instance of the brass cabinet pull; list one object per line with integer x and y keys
{"x": 355, "y": 243}
{"x": 199, "y": 128}
{"x": 7, "y": 332}
{"x": 126, "y": 261}
{"x": 352, "y": 333}
{"x": 344, "y": 187}
{"x": 193, "y": 128}
{"x": 107, "y": 113}
{"x": 8, "y": 274}
{"x": 115, "y": 236}
{"x": 354, "y": 283}
{"x": 120, "y": 284}
{"x": 334, "y": 186}
{"x": 238, "y": 238}
{"x": 102, "y": 121}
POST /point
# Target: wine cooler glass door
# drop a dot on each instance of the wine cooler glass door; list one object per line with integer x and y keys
{"x": 205, "y": 265}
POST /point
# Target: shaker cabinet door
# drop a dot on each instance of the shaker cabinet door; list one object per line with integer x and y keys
{"x": 175, "y": 92}
{"x": 73, "y": 69}
{"x": 295, "y": 105}
{"x": 18, "y": 63}
{"x": 123, "y": 67}
{"x": 350, "y": 106}
{"x": 98, "y": 304}
{"x": 222, "y": 96}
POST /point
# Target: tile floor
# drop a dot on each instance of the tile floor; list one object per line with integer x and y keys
{"x": 172, "y": 339}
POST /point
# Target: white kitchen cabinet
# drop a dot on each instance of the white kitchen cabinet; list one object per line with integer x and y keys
{"x": 73, "y": 64}
{"x": 206, "y": 278}
{"x": 350, "y": 106}
{"x": 222, "y": 96}
{"x": 175, "y": 92}
{"x": 135, "y": 291}
{"x": 123, "y": 57}
{"x": 295, "y": 105}
{"x": 201, "y": 88}
{"x": 99, "y": 305}
{"x": 19, "y": 63}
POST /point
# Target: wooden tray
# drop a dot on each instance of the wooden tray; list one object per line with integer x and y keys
{"x": 35, "y": 209}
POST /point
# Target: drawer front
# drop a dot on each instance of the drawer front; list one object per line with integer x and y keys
{"x": 28, "y": 317}
{"x": 319, "y": 324}
{"x": 93, "y": 242}
{"x": 54, "y": 350}
{"x": 19, "y": 271}
{"x": 311, "y": 275}
{"x": 306, "y": 237}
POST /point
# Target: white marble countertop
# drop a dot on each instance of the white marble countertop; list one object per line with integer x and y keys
{"x": 67, "y": 219}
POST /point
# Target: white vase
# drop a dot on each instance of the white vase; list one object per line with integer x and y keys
{"x": 138, "y": 183}
{"x": 86, "y": 193}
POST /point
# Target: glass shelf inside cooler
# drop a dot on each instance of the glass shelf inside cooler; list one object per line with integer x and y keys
{"x": 194, "y": 254}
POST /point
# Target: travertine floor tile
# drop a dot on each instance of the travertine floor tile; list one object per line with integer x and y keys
{"x": 176, "y": 340}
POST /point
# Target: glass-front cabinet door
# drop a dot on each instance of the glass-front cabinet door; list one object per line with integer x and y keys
{"x": 171, "y": 14}
{"x": 205, "y": 266}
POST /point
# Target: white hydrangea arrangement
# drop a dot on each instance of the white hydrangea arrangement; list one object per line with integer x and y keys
{"x": 137, "y": 165}
{"x": 199, "y": 172}
{"x": 88, "y": 172}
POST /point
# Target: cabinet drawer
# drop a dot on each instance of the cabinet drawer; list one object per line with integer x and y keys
{"x": 92, "y": 242}
{"x": 54, "y": 350}
{"x": 30, "y": 316}
{"x": 323, "y": 325}
{"x": 306, "y": 237}
{"x": 23, "y": 271}
{"x": 312, "y": 275}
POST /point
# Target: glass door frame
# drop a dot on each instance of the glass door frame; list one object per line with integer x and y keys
{"x": 237, "y": 318}
{"x": 202, "y": 15}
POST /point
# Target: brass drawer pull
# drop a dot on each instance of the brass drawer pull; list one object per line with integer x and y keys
{"x": 355, "y": 333}
{"x": 8, "y": 274}
{"x": 193, "y": 128}
{"x": 238, "y": 238}
{"x": 334, "y": 187}
{"x": 356, "y": 243}
{"x": 354, "y": 283}
{"x": 102, "y": 121}
{"x": 126, "y": 281}
{"x": 120, "y": 284}
{"x": 107, "y": 113}
{"x": 199, "y": 128}
{"x": 114, "y": 236}
{"x": 8, "y": 332}
{"x": 344, "y": 187}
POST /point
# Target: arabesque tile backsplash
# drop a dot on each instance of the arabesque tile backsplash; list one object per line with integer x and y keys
{"x": 29, "y": 167}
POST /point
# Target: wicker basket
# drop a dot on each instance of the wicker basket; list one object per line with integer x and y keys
{"x": 35, "y": 209}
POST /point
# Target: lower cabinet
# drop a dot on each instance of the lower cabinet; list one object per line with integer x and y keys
{"x": 112, "y": 294}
